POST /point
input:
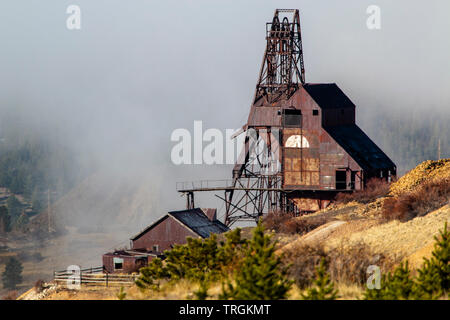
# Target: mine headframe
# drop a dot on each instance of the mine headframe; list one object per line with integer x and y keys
{"x": 257, "y": 178}
{"x": 257, "y": 185}
{"x": 282, "y": 68}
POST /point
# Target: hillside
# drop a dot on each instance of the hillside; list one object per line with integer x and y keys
{"x": 97, "y": 216}
{"x": 344, "y": 232}
{"x": 356, "y": 223}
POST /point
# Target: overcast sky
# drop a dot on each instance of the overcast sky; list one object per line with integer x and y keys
{"x": 139, "y": 69}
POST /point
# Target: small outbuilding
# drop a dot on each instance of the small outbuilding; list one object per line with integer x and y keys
{"x": 172, "y": 228}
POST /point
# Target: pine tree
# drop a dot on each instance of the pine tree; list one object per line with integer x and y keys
{"x": 323, "y": 287}
{"x": 14, "y": 207}
{"x": 196, "y": 260}
{"x": 259, "y": 275}
{"x": 199, "y": 260}
{"x": 395, "y": 286}
{"x": 400, "y": 284}
{"x": 122, "y": 294}
{"x": 12, "y": 276}
{"x": 5, "y": 220}
{"x": 230, "y": 252}
{"x": 433, "y": 280}
{"x": 148, "y": 275}
{"x": 21, "y": 222}
{"x": 202, "y": 292}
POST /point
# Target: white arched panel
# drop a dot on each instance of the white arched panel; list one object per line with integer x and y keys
{"x": 297, "y": 141}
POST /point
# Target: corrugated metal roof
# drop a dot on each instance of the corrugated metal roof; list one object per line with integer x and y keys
{"x": 197, "y": 221}
{"x": 328, "y": 95}
{"x": 133, "y": 253}
{"x": 194, "y": 219}
{"x": 359, "y": 146}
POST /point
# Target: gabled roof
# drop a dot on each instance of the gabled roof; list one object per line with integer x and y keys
{"x": 193, "y": 219}
{"x": 328, "y": 95}
{"x": 359, "y": 146}
{"x": 197, "y": 221}
{"x": 134, "y": 253}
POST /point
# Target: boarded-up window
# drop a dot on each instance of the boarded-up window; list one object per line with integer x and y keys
{"x": 292, "y": 118}
{"x": 118, "y": 263}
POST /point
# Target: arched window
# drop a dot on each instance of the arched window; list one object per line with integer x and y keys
{"x": 297, "y": 141}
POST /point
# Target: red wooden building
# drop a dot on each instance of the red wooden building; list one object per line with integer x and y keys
{"x": 172, "y": 228}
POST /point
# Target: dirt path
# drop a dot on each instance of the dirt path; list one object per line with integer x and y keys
{"x": 322, "y": 232}
{"x": 319, "y": 234}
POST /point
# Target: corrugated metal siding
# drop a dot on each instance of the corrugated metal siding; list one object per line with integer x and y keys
{"x": 360, "y": 147}
{"x": 130, "y": 263}
{"x": 165, "y": 234}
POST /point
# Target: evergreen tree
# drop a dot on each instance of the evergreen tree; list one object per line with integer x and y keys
{"x": 122, "y": 294}
{"x": 199, "y": 260}
{"x": 196, "y": 260}
{"x": 36, "y": 200}
{"x": 14, "y": 207}
{"x": 400, "y": 284}
{"x": 148, "y": 275}
{"x": 5, "y": 220}
{"x": 395, "y": 286}
{"x": 12, "y": 276}
{"x": 323, "y": 287}
{"x": 260, "y": 274}
{"x": 202, "y": 292}
{"x": 22, "y": 222}
{"x": 433, "y": 280}
{"x": 231, "y": 252}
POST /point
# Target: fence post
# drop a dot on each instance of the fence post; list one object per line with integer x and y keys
{"x": 107, "y": 279}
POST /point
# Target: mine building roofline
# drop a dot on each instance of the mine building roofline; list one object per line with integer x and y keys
{"x": 194, "y": 219}
{"x": 360, "y": 147}
{"x": 328, "y": 95}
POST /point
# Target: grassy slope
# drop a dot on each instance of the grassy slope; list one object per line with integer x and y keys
{"x": 350, "y": 223}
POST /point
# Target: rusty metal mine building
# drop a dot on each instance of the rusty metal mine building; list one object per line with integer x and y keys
{"x": 313, "y": 148}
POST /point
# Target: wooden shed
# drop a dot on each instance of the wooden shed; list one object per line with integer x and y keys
{"x": 172, "y": 228}
{"x": 176, "y": 226}
{"x": 127, "y": 261}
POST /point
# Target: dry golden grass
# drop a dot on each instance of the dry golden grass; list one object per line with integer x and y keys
{"x": 345, "y": 292}
{"x": 415, "y": 260}
{"x": 348, "y": 225}
{"x": 349, "y": 291}
{"x": 85, "y": 293}
{"x": 400, "y": 239}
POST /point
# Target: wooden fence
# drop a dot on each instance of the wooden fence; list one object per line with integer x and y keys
{"x": 94, "y": 277}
